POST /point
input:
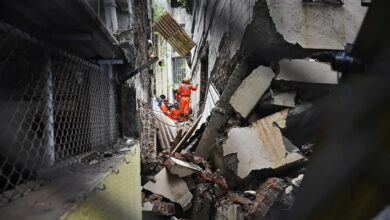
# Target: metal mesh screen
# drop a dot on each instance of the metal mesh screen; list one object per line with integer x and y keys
{"x": 179, "y": 72}
{"x": 53, "y": 107}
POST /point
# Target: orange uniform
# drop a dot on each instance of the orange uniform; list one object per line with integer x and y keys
{"x": 184, "y": 94}
{"x": 174, "y": 114}
{"x": 164, "y": 108}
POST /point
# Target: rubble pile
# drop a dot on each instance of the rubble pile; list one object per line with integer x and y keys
{"x": 245, "y": 184}
{"x": 249, "y": 163}
{"x": 264, "y": 97}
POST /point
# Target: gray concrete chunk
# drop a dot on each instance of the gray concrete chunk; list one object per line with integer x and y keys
{"x": 228, "y": 212}
{"x": 308, "y": 71}
{"x": 260, "y": 146}
{"x": 251, "y": 90}
{"x": 181, "y": 168}
{"x": 171, "y": 187}
{"x": 284, "y": 99}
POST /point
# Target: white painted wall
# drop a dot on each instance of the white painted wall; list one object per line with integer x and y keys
{"x": 164, "y": 76}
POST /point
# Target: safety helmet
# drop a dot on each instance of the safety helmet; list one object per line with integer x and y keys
{"x": 186, "y": 80}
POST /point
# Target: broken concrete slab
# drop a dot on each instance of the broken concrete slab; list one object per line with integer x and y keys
{"x": 297, "y": 181}
{"x": 260, "y": 146}
{"x": 147, "y": 207}
{"x": 308, "y": 71}
{"x": 228, "y": 212}
{"x": 158, "y": 207}
{"x": 164, "y": 208}
{"x": 181, "y": 168}
{"x": 286, "y": 99}
{"x": 171, "y": 187}
{"x": 251, "y": 90}
{"x": 299, "y": 24}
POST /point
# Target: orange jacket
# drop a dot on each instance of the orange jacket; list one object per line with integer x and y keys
{"x": 174, "y": 114}
{"x": 164, "y": 108}
{"x": 185, "y": 89}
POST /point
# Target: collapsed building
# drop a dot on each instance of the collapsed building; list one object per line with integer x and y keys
{"x": 80, "y": 121}
{"x": 259, "y": 110}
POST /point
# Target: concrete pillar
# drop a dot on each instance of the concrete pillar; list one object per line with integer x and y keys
{"x": 110, "y": 15}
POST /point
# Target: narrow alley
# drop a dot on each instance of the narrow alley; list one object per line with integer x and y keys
{"x": 194, "y": 109}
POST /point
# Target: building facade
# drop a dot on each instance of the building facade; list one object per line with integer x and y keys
{"x": 171, "y": 68}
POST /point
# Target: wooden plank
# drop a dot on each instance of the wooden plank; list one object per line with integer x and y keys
{"x": 187, "y": 136}
{"x": 177, "y": 139}
{"x": 174, "y": 34}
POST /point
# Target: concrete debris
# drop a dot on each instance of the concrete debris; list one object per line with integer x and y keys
{"x": 228, "y": 212}
{"x": 288, "y": 189}
{"x": 154, "y": 203}
{"x": 250, "y": 193}
{"x": 174, "y": 218}
{"x": 130, "y": 142}
{"x": 171, "y": 187}
{"x": 308, "y": 71}
{"x": 299, "y": 23}
{"x": 297, "y": 181}
{"x": 267, "y": 193}
{"x": 94, "y": 161}
{"x": 187, "y": 155}
{"x": 237, "y": 199}
{"x": 286, "y": 99}
{"x": 264, "y": 147}
{"x": 164, "y": 208}
{"x": 181, "y": 168}
{"x": 179, "y": 156}
{"x": 158, "y": 207}
{"x": 191, "y": 184}
{"x": 251, "y": 90}
{"x": 222, "y": 159}
{"x": 147, "y": 206}
{"x": 255, "y": 207}
{"x": 202, "y": 208}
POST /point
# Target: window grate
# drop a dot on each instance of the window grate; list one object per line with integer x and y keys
{"x": 179, "y": 69}
{"x": 54, "y": 107}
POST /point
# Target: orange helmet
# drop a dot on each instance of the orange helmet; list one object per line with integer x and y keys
{"x": 186, "y": 80}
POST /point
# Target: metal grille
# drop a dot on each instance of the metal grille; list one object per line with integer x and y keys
{"x": 53, "y": 107}
{"x": 178, "y": 69}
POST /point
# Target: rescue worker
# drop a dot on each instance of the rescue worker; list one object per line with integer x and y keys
{"x": 163, "y": 106}
{"x": 174, "y": 113}
{"x": 184, "y": 93}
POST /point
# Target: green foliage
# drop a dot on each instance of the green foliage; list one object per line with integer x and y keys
{"x": 184, "y": 66}
{"x": 163, "y": 62}
{"x": 183, "y": 2}
{"x": 158, "y": 11}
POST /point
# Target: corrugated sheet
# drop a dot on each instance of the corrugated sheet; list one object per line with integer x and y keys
{"x": 174, "y": 34}
{"x": 167, "y": 130}
{"x": 211, "y": 99}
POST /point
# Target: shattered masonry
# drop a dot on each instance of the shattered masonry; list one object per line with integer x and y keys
{"x": 248, "y": 158}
